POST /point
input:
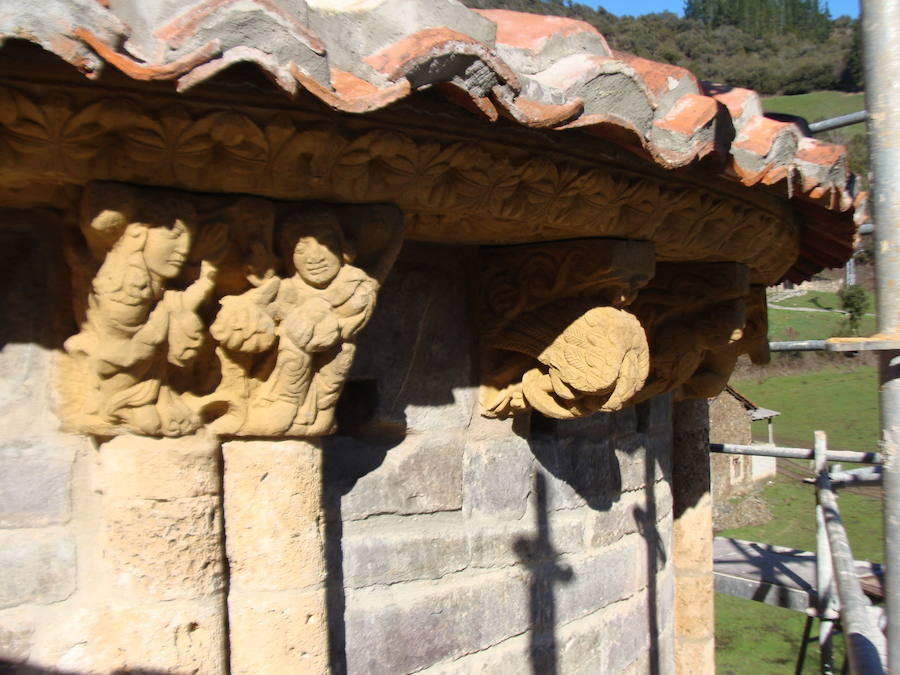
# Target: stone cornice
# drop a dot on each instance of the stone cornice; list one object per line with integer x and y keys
{"x": 452, "y": 189}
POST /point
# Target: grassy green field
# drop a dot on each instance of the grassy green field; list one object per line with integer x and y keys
{"x": 752, "y": 637}
{"x": 822, "y": 300}
{"x": 819, "y": 105}
{"x": 843, "y": 402}
{"x": 787, "y": 325}
{"x": 755, "y": 638}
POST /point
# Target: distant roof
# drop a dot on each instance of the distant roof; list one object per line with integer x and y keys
{"x": 756, "y": 412}
{"x": 540, "y": 71}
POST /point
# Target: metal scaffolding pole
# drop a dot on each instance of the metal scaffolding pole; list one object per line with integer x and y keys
{"x": 881, "y": 44}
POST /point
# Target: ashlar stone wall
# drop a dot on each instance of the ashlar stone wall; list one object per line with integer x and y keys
{"x": 442, "y": 542}
{"x": 470, "y": 545}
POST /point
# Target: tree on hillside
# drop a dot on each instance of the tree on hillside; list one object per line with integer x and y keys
{"x": 739, "y": 42}
{"x": 854, "y": 301}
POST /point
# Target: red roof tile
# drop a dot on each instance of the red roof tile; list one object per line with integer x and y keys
{"x": 540, "y": 71}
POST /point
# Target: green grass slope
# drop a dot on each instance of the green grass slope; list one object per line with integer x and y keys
{"x": 842, "y": 402}
{"x": 819, "y": 105}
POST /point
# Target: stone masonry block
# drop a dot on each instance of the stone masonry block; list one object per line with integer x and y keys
{"x": 514, "y": 542}
{"x": 282, "y": 632}
{"x": 166, "y": 637}
{"x": 140, "y": 467}
{"x": 424, "y": 474}
{"x": 273, "y": 499}
{"x": 35, "y": 481}
{"x": 578, "y": 471}
{"x": 497, "y": 478}
{"x": 391, "y": 549}
{"x": 162, "y": 550}
{"x": 407, "y": 627}
{"x": 598, "y": 579}
{"x": 17, "y": 629}
{"x": 419, "y": 344}
{"x": 630, "y": 623}
{"x": 38, "y": 566}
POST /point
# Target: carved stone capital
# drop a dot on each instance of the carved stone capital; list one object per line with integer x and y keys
{"x": 556, "y": 336}
{"x": 236, "y": 313}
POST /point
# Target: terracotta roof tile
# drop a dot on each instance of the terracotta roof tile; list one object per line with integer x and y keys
{"x": 359, "y": 56}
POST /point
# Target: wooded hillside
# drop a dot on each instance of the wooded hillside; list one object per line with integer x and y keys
{"x": 772, "y": 46}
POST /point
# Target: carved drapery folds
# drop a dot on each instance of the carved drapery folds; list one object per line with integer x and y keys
{"x": 556, "y": 336}
{"x": 584, "y": 326}
{"x": 234, "y": 312}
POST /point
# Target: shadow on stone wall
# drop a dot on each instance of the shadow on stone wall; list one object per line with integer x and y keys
{"x": 538, "y": 556}
{"x": 345, "y": 460}
{"x": 582, "y": 454}
{"x": 33, "y": 285}
{"x": 10, "y": 668}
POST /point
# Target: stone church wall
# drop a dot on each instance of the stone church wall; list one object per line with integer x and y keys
{"x": 452, "y": 543}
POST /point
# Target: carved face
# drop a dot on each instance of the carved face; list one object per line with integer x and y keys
{"x": 166, "y": 250}
{"x": 317, "y": 254}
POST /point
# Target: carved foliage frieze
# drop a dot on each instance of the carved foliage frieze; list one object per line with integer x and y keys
{"x": 450, "y": 188}
{"x": 236, "y": 313}
{"x": 556, "y": 336}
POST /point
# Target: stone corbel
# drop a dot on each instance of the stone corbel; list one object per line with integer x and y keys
{"x": 234, "y": 313}
{"x": 699, "y": 318}
{"x": 556, "y": 334}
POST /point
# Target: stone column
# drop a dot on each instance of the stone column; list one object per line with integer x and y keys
{"x": 276, "y": 599}
{"x": 161, "y": 559}
{"x": 692, "y": 540}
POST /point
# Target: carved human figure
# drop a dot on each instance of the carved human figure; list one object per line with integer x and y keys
{"x": 135, "y": 329}
{"x": 305, "y": 325}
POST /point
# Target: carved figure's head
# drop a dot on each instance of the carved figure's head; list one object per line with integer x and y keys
{"x": 166, "y": 249}
{"x": 313, "y": 245}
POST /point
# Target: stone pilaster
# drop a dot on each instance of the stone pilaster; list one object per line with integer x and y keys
{"x": 692, "y": 540}
{"x": 276, "y": 600}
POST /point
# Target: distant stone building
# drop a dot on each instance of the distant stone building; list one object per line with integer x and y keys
{"x": 373, "y": 337}
{"x": 730, "y": 421}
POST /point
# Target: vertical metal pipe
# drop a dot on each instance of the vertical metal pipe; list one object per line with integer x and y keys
{"x": 824, "y": 568}
{"x": 881, "y": 44}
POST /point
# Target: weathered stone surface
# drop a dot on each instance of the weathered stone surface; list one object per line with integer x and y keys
{"x": 159, "y": 541}
{"x": 578, "y": 471}
{"x": 631, "y": 450}
{"x": 278, "y": 633}
{"x": 387, "y": 550}
{"x": 273, "y": 497}
{"x": 167, "y": 637}
{"x": 139, "y": 467}
{"x": 418, "y": 344}
{"x": 17, "y": 628}
{"x": 497, "y": 478}
{"x": 692, "y": 538}
{"x": 695, "y": 657}
{"x": 605, "y": 641}
{"x": 407, "y": 628}
{"x": 424, "y": 474}
{"x": 510, "y": 542}
{"x": 162, "y": 550}
{"x": 35, "y": 481}
{"x": 38, "y": 566}
{"x": 589, "y": 588}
